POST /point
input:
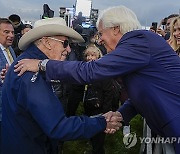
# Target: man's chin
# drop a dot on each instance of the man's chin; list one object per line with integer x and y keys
{"x": 9, "y": 43}
{"x": 108, "y": 50}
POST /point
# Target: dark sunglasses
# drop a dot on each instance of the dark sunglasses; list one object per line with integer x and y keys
{"x": 65, "y": 42}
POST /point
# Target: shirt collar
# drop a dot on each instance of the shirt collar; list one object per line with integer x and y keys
{"x": 2, "y": 47}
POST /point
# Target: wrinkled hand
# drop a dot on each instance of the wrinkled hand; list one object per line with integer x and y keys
{"x": 26, "y": 65}
{"x": 113, "y": 120}
{"x": 3, "y": 72}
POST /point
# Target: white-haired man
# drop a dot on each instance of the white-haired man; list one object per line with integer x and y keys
{"x": 32, "y": 114}
{"x": 147, "y": 64}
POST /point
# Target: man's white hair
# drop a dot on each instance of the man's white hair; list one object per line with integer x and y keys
{"x": 119, "y": 16}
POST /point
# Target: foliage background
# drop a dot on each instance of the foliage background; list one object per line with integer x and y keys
{"x": 113, "y": 143}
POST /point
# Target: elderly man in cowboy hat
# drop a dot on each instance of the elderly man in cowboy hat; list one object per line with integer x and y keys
{"x": 32, "y": 114}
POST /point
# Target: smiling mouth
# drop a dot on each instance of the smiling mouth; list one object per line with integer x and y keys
{"x": 178, "y": 39}
{"x": 104, "y": 45}
{"x": 10, "y": 40}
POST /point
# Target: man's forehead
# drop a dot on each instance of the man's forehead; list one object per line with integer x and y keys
{"x": 6, "y": 26}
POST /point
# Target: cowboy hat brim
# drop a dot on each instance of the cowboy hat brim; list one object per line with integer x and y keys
{"x": 48, "y": 30}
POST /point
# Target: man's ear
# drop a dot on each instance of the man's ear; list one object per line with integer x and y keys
{"x": 116, "y": 30}
{"x": 46, "y": 43}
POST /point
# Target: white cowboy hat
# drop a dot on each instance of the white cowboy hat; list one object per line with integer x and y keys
{"x": 49, "y": 27}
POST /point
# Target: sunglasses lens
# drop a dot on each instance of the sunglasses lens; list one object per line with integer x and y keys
{"x": 66, "y": 43}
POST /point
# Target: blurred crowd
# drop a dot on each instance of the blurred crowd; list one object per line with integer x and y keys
{"x": 168, "y": 28}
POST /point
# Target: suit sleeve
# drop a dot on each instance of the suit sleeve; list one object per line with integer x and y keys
{"x": 128, "y": 56}
{"x": 128, "y": 111}
{"x": 48, "y": 112}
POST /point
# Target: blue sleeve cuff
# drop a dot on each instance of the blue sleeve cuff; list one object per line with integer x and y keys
{"x": 128, "y": 111}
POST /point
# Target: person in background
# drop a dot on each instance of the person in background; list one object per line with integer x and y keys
{"x": 24, "y": 28}
{"x": 165, "y": 33}
{"x": 7, "y": 55}
{"x": 97, "y": 99}
{"x": 78, "y": 21}
{"x": 18, "y": 25}
{"x": 33, "y": 118}
{"x": 162, "y": 28}
{"x": 174, "y": 40}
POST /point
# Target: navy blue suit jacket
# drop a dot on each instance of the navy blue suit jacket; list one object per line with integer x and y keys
{"x": 150, "y": 70}
{"x": 3, "y": 63}
{"x": 32, "y": 113}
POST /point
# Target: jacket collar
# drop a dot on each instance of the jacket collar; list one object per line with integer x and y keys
{"x": 35, "y": 53}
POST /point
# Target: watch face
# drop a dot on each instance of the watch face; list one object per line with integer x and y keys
{"x": 43, "y": 64}
{"x": 42, "y": 67}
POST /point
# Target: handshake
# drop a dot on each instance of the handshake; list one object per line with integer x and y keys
{"x": 114, "y": 121}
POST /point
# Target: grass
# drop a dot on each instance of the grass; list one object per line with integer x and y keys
{"x": 113, "y": 143}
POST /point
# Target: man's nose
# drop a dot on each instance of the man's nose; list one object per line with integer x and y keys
{"x": 100, "y": 40}
{"x": 11, "y": 34}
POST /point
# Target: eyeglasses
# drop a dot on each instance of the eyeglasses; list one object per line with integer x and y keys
{"x": 100, "y": 33}
{"x": 65, "y": 42}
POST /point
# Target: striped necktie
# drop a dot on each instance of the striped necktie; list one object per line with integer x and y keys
{"x": 9, "y": 55}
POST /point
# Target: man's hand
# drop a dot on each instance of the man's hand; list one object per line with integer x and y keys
{"x": 113, "y": 120}
{"x": 26, "y": 65}
{"x": 3, "y": 72}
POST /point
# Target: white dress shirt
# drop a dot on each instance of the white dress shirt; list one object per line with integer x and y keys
{"x": 5, "y": 53}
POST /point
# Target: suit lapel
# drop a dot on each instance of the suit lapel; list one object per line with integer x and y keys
{"x": 3, "y": 60}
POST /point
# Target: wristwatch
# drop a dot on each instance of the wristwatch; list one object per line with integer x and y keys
{"x": 42, "y": 64}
